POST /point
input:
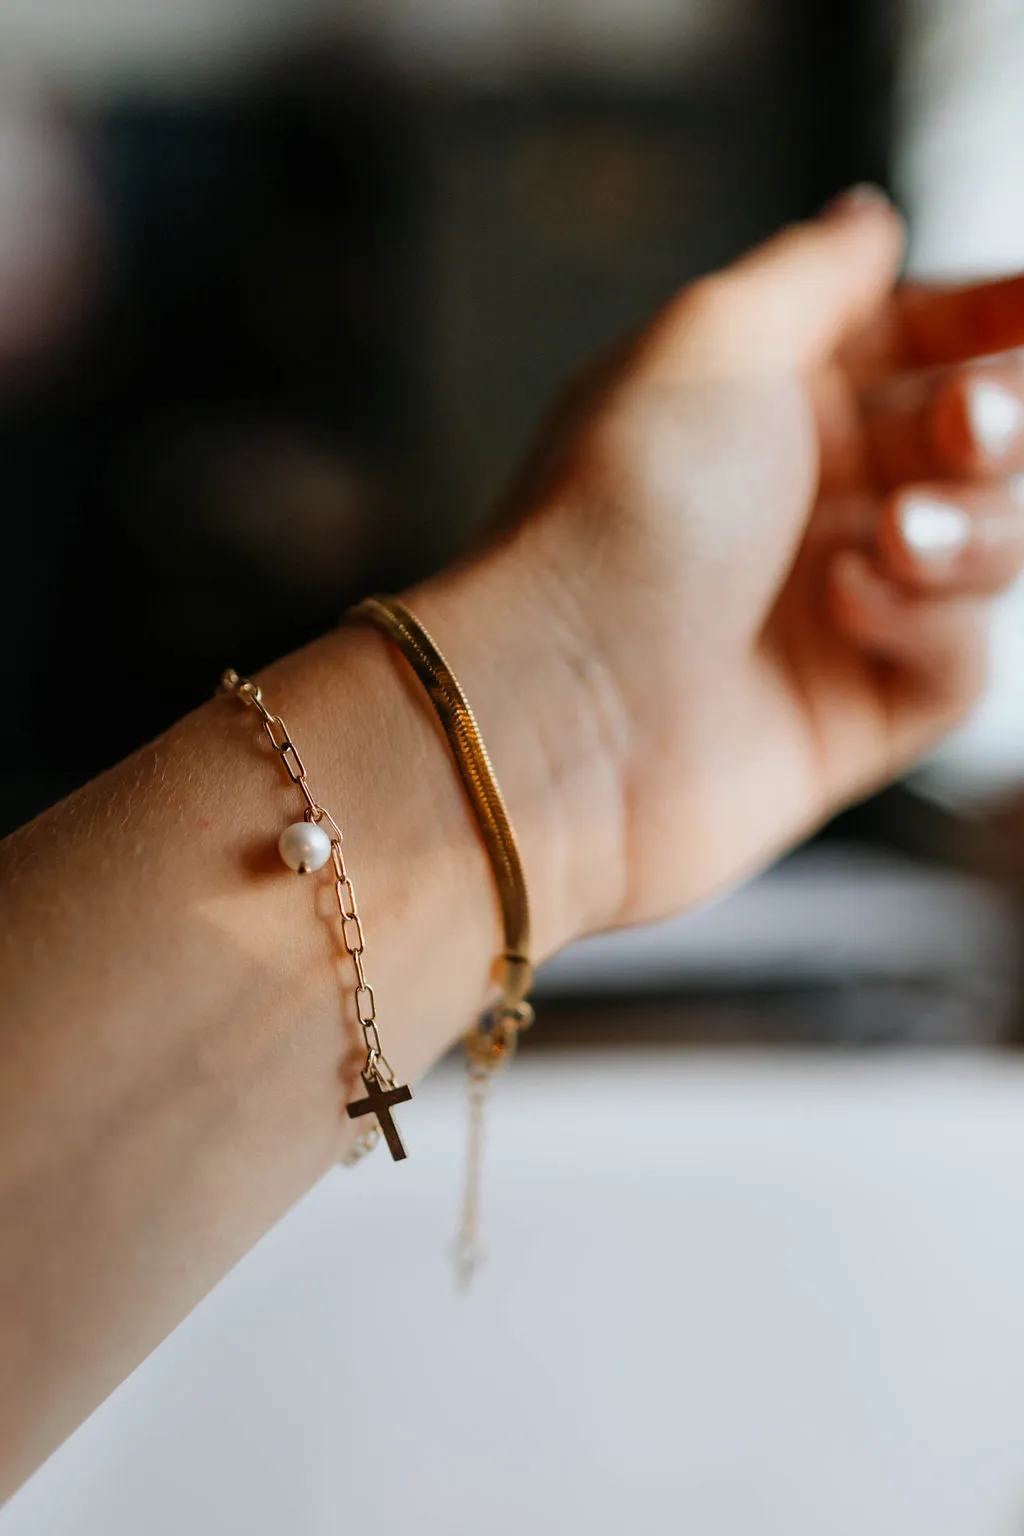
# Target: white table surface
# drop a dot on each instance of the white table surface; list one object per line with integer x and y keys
{"x": 733, "y": 1296}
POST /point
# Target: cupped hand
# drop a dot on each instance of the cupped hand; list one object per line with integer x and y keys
{"x": 769, "y": 525}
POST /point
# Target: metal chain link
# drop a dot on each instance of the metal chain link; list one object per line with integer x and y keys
{"x": 467, "y": 1252}
{"x": 376, "y": 1064}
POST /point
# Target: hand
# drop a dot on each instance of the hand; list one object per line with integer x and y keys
{"x": 768, "y": 525}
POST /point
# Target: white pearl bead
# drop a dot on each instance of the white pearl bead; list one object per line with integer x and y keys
{"x": 304, "y": 847}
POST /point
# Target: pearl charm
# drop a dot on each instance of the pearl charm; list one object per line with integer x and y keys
{"x": 304, "y": 847}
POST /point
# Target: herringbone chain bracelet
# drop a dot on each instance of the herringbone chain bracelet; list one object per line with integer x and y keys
{"x": 491, "y": 1042}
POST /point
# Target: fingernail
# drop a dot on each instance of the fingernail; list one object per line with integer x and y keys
{"x": 932, "y": 530}
{"x": 866, "y": 194}
{"x": 996, "y": 416}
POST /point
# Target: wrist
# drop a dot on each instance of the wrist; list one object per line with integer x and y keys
{"x": 423, "y": 879}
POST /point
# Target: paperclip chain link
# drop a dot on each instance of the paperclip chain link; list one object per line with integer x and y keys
{"x": 376, "y": 1064}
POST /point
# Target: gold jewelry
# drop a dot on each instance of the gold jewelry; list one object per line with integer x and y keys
{"x": 306, "y": 846}
{"x": 492, "y": 1040}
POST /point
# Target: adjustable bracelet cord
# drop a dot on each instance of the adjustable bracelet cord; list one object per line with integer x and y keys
{"x": 306, "y": 846}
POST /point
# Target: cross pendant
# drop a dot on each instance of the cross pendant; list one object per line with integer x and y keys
{"x": 378, "y": 1102}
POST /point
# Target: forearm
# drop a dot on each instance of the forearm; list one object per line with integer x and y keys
{"x": 177, "y": 1016}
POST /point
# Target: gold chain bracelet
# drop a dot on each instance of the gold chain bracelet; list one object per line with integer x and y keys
{"x": 305, "y": 846}
{"x": 491, "y": 1042}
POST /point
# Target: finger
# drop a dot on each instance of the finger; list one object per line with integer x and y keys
{"x": 950, "y": 324}
{"x": 934, "y": 646}
{"x": 954, "y": 538}
{"x": 966, "y": 423}
{"x": 794, "y": 299}
{"x": 932, "y": 325}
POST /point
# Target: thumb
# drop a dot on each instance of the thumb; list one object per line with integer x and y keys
{"x": 793, "y": 300}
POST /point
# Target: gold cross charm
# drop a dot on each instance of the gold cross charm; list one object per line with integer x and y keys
{"x": 378, "y": 1102}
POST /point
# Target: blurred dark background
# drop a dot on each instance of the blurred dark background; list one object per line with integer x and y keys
{"x": 324, "y": 300}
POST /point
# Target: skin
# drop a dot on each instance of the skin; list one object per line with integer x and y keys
{"x": 699, "y": 633}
